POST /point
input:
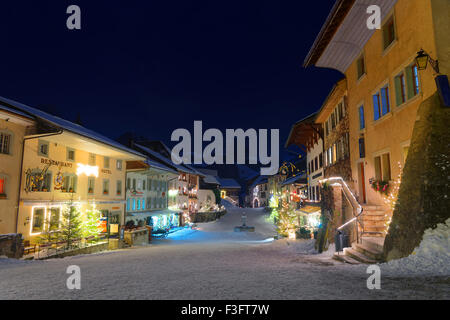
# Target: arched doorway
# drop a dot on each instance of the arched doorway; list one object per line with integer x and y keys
{"x": 256, "y": 203}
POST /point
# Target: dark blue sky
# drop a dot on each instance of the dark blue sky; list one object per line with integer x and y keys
{"x": 153, "y": 66}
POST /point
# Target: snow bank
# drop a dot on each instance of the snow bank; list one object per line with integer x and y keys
{"x": 431, "y": 258}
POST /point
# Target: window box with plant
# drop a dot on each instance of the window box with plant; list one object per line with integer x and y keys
{"x": 380, "y": 186}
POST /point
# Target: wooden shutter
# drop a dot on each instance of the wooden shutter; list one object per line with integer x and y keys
{"x": 410, "y": 82}
{"x": 398, "y": 91}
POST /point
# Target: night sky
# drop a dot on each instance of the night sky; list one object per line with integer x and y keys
{"x": 149, "y": 67}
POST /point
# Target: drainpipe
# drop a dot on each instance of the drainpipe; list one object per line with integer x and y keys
{"x": 21, "y": 169}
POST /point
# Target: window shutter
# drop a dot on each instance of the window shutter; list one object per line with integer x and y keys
{"x": 398, "y": 91}
{"x": 409, "y": 82}
{"x": 376, "y": 112}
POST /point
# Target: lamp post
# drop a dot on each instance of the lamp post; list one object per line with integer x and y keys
{"x": 422, "y": 60}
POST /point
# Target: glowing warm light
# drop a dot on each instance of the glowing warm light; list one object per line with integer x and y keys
{"x": 173, "y": 192}
{"x": 32, "y": 219}
{"x": 87, "y": 170}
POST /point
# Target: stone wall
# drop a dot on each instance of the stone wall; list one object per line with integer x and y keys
{"x": 207, "y": 216}
{"x": 11, "y": 245}
{"x": 424, "y": 199}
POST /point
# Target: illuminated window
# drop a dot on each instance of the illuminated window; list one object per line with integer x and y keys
{"x": 54, "y": 218}
{"x": 5, "y": 143}
{"x": 134, "y": 205}
{"x": 362, "y": 122}
{"x": 105, "y": 186}
{"x": 412, "y": 80}
{"x": 91, "y": 185}
{"x": 138, "y": 204}
{"x": 383, "y": 167}
{"x": 37, "y": 220}
{"x": 70, "y": 183}
{"x": 119, "y": 187}
{"x": 2, "y": 187}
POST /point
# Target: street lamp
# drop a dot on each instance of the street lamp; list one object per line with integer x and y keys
{"x": 422, "y": 60}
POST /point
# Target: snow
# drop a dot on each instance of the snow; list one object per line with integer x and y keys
{"x": 212, "y": 262}
{"x": 432, "y": 257}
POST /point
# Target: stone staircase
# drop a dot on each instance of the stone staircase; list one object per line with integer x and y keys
{"x": 370, "y": 250}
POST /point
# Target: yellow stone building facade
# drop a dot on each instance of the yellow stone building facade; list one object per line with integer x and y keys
{"x": 385, "y": 88}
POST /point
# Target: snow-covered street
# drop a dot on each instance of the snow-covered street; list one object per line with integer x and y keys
{"x": 212, "y": 262}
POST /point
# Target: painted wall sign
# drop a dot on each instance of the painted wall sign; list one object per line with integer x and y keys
{"x": 56, "y": 163}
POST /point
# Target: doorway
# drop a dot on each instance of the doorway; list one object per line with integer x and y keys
{"x": 362, "y": 182}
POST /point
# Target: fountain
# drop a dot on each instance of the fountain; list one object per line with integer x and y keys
{"x": 244, "y": 227}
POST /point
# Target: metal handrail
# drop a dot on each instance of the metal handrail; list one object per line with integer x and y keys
{"x": 355, "y": 206}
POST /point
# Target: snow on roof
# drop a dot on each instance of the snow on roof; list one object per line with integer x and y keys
{"x": 65, "y": 125}
{"x": 3, "y": 107}
{"x": 207, "y": 178}
{"x": 165, "y": 160}
{"x": 158, "y": 165}
{"x": 229, "y": 183}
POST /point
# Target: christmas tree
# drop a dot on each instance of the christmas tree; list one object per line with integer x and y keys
{"x": 91, "y": 225}
{"x": 286, "y": 219}
{"x": 71, "y": 228}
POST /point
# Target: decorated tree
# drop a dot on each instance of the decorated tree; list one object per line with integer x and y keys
{"x": 286, "y": 219}
{"x": 71, "y": 227}
{"x": 91, "y": 225}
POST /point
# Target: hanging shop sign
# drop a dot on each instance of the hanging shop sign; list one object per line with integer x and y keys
{"x": 34, "y": 179}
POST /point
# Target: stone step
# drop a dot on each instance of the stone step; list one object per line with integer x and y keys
{"x": 374, "y": 213}
{"x": 369, "y": 207}
{"x": 375, "y": 243}
{"x": 358, "y": 256}
{"x": 374, "y": 229}
{"x": 343, "y": 258}
{"x": 368, "y": 252}
{"x": 379, "y": 223}
{"x": 374, "y": 234}
{"x": 375, "y": 218}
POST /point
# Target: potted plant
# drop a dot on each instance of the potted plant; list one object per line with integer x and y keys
{"x": 90, "y": 191}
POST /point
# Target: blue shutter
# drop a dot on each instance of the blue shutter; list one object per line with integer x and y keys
{"x": 376, "y": 107}
{"x": 362, "y": 124}
{"x": 385, "y": 100}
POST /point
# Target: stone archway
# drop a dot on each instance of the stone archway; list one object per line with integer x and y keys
{"x": 256, "y": 203}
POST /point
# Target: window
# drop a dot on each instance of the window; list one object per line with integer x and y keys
{"x": 2, "y": 187}
{"x": 362, "y": 148}
{"x": 119, "y": 187}
{"x": 361, "y": 67}
{"x": 383, "y": 167}
{"x": 138, "y": 204}
{"x": 128, "y": 204}
{"x": 321, "y": 160}
{"x": 37, "y": 220}
{"x": 143, "y": 204}
{"x": 119, "y": 164}
{"x": 134, "y": 184}
{"x": 388, "y": 32}
{"x": 327, "y": 130}
{"x": 70, "y": 183}
{"x": 400, "y": 89}
{"x": 134, "y": 204}
{"x": 92, "y": 159}
{"x": 381, "y": 104}
{"x": 5, "y": 143}
{"x": 128, "y": 183}
{"x": 105, "y": 186}
{"x": 149, "y": 203}
{"x": 106, "y": 162}
{"x": 54, "y": 219}
{"x": 70, "y": 154}
{"x": 333, "y": 121}
{"x": 91, "y": 185}
{"x": 43, "y": 147}
{"x": 316, "y": 164}
{"x": 362, "y": 123}
{"x": 41, "y": 185}
{"x": 412, "y": 79}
